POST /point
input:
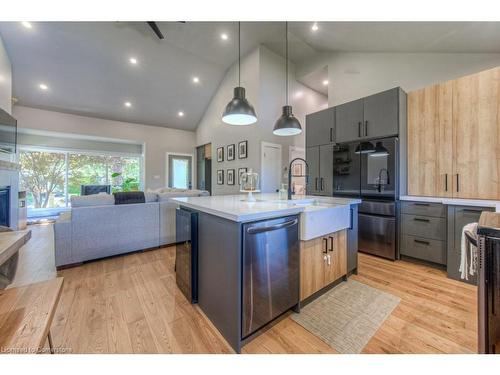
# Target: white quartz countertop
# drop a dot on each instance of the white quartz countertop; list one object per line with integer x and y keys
{"x": 235, "y": 208}
{"x": 454, "y": 201}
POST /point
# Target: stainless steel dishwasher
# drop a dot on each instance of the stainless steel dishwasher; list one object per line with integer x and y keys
{"x": 271, "y": 259}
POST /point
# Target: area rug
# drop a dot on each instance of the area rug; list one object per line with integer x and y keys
{"x": 347, "y": 316}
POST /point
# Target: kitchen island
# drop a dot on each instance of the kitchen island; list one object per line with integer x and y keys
{"x": 257, "y": 260}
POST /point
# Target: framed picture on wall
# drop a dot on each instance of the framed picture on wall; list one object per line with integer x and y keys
{"x": 230, "y": 152}
{"x": 220, "y": 177}
{"x": 242, "y": 150}
{"x": 230, "y": 176}
{"x": 240, "y": 172}
{"x": 220, "y": 154}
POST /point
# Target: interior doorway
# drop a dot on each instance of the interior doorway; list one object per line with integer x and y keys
{"x": 180, "y": 171}
{"x": 204, "y": 167}
{"x": 270, "y": 167}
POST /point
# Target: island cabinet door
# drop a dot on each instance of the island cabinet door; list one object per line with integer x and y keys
{"x": 336, "y": 263}
{"x": 313, "y": 255}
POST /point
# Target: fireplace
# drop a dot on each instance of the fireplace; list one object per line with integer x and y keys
{"x": 5, "y": 206}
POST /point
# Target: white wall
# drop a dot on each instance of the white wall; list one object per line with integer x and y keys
{"x": 355, "y": 75}
{"x": 264, "y": 80}
{"x": 5, "y": 80}
{"x": 157, "y": 141}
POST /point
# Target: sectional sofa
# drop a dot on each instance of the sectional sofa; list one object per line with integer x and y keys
{"x": 97, "y": 228}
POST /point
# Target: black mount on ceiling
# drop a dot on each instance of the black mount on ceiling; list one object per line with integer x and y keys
{"x": 156, "y": 29}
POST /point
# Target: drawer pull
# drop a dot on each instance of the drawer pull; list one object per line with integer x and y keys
{"x": 421, "y": 204}
{"x": 422, "y": 242}
{"x": 420, "y": 219}
{"x": 472, "y": 210}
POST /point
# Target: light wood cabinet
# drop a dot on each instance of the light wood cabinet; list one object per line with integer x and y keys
{"x": 454, "y": 138}
{"x": 430, "y": 140}
{"x": 323, "y": 260}
{"x": 476, "y": 135}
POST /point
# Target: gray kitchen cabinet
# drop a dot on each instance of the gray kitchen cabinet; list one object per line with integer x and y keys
{"x": 312, "y": 158}
{"x": 381, "y": 114}
{"x": 326, "y": 170}
{"x": 352, "y": 242}
{"x": 349, "y": 121}
{"x": 320, "y": 127}
{"x": 458, "y": 217}
{"x": 374, "y": 116}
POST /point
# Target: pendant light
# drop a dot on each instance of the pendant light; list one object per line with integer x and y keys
{"x": 380, "y": 150}
{"x": 239, "y": 111}
{"x": 287, "y": 124}
{"x": 364, "y": 148}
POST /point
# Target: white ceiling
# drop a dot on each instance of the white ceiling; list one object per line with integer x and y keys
{"x": 85, "y": 64}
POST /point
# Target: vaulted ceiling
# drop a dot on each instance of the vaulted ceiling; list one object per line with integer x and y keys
{"x": 87, "y": 70}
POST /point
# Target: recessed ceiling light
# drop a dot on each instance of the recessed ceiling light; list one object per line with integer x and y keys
{"x": 196, "y": 80}
{"x": 180, "y": 114}
{"x": 224, "y": 36}
{"x": 299, "y": 94}
{"x": 27, "y": 24}
{"x": 43, "y": 86}
{"x": 133, "y": 60}
{"x": 325, "y": 82}
{"x": 314, "y": 27}
{"x": 127, "y": 104}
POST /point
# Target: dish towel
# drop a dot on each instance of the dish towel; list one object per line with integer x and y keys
{"x": 468, "y": 266}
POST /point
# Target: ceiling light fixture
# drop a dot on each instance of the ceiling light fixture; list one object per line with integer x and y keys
{"x": 239, "y": 111}
{"x": 224, "y": 36}
{"x": 43, "y": 86}
{"x": 133, "y": 60}
{"x": 180, "y": 114}
{"x": 127, "y": 104}
{"x": 314, "y": 27}
{"x": 27, "y": 24}
{"x": 287, "y": 124}
{"x": 196, "y": 80}
{"x": 325, "y": 82}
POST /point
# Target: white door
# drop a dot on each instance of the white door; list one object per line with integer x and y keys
{"x": 270, "y": 168}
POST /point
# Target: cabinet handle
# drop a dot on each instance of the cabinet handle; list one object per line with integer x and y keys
{"x": 321, "y": 180}
{"x": 325, "y": 243}
{"x": 458, "y": 183}
{"x": 420, "y": 219}
{"x": 422, "y": 242}
{"x": 331, "y": 243}
{"x": 446, "y": 182}
{"x": 470, "y": 210}
{"x": 331, "y": 134}
{"x": 366, "y": 128}
{"x": 316, "y": 183}
{"x": 359, "y": 129}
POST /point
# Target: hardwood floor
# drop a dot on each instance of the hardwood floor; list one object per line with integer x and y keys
{"x": 131, "y": 304}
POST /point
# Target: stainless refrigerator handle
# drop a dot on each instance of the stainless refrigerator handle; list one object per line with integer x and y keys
{"x": 256, "y": 230}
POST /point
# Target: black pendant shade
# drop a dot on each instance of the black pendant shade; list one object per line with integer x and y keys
{"x": 380, "y": 150}
{"x": 239, "y": 111}
{"x": 364, "y": 148}
{"x": 287, "y": 124}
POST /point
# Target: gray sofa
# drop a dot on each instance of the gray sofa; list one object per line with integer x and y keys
{"x": 97, "y": 228}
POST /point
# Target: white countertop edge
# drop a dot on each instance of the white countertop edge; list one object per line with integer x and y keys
{"x": 454, "y": 201}
{"x": 243, "y": 218}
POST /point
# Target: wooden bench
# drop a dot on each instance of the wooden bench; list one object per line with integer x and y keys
{"x": 26, "y": 315}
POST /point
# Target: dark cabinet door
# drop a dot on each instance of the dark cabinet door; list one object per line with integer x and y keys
{"x": 381, "y": 114}
{"x": 320, "y": 127}
{"x": 458, "y": 217}
{"x": 349, "y": 121}
{"x": 326, "y": 170}
{"x": 313, "y": 161}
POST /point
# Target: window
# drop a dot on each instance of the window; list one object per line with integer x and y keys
{"x": 50, "y": 178}
{"x": 179, "y": 171}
